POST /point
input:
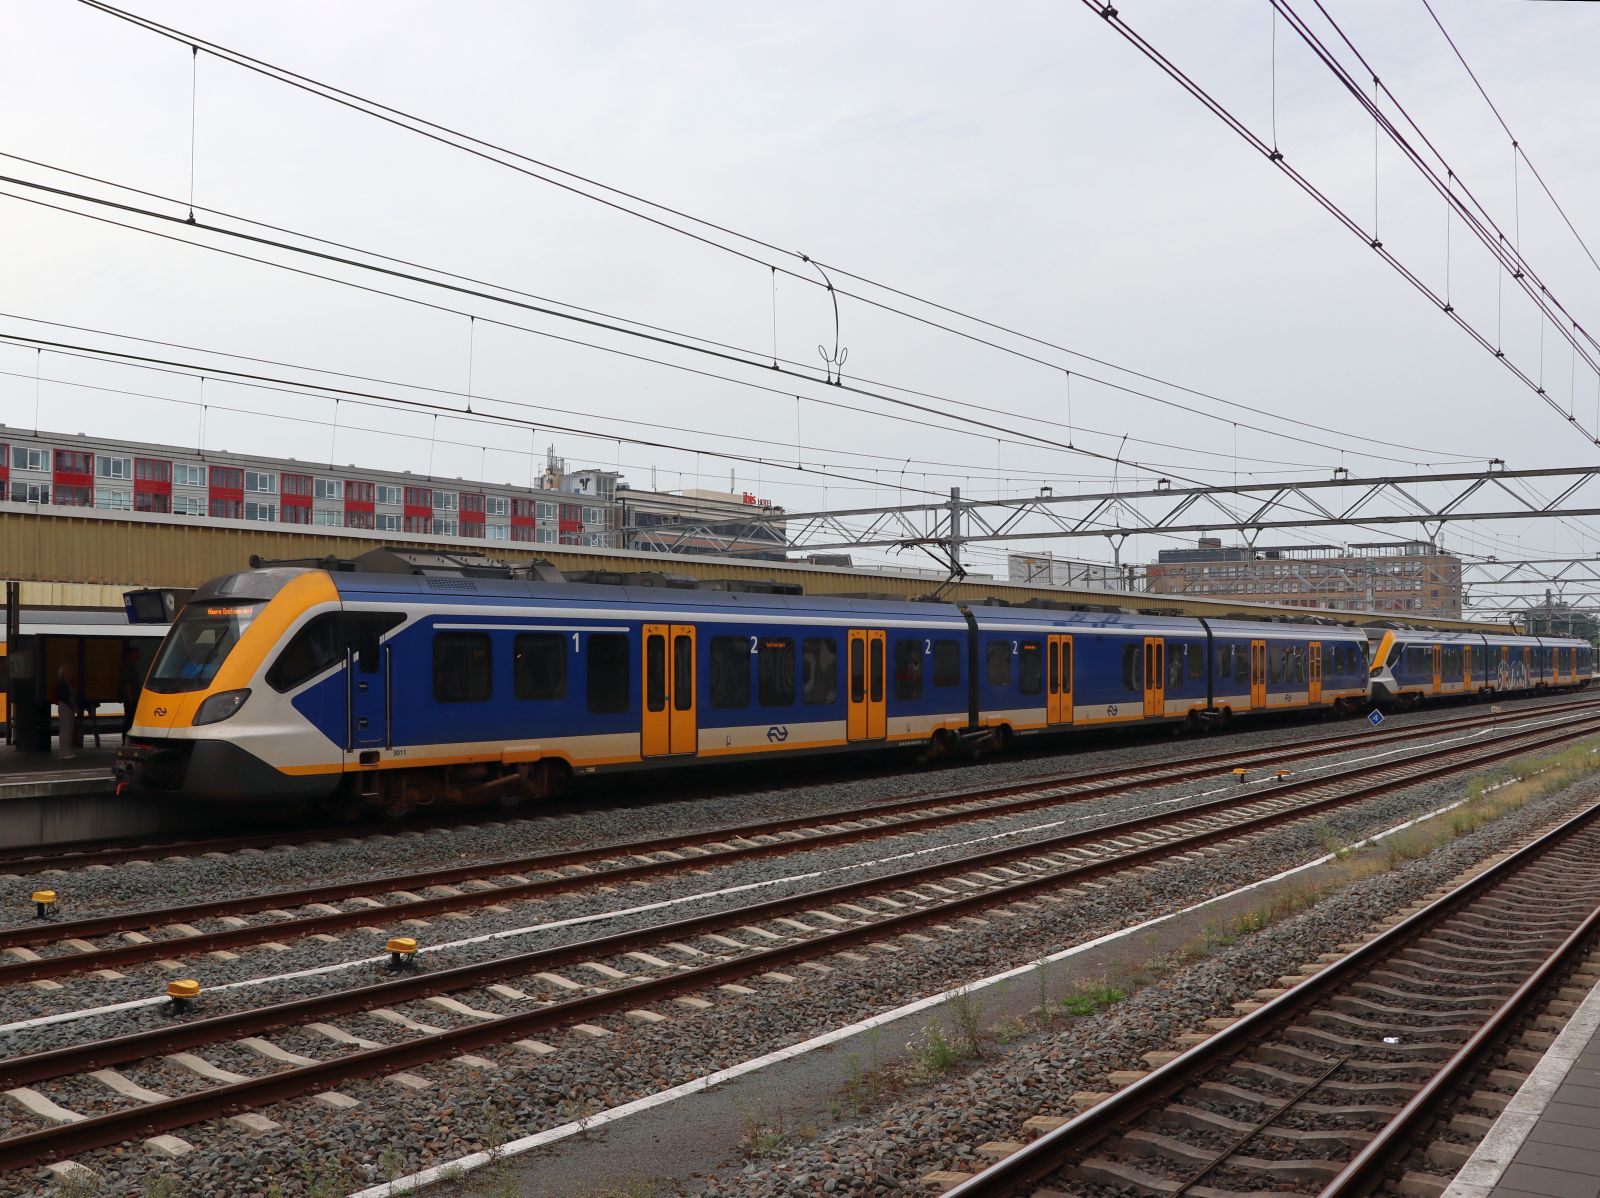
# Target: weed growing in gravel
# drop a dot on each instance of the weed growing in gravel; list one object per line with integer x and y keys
{"x": 497, "y": 1180}
{"x": 1332, "y": 843}
{"x": 936, "y": 1053}
{"x": 161, "y": 1185}
{"x": 1093, "y": 997}
{"x": 636, "y": 1186}
{"x": 1045, "y": 1009}
{"x": 1495, "y": 793}
{"x": 391, "y": 1164}
{"x": 579, "y": 1111}
{"x": 966, "y": 1020}
{"x": 762, "y": 1133}
{"x": 80, "y": 1185}
{"x": 325, "y": 1179}
{"x": 1010, "y": 1031}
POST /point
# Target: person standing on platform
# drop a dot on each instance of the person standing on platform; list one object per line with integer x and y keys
{"x": 67, "y": 708}
{"x": 128, "y": 688}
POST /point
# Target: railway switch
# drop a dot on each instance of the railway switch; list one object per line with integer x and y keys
{"x": 44, "y": 904}
{"x": 181, "y": 995}
{"x": 402, "y": 953}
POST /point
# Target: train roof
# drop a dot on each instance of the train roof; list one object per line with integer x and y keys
{"x": 448, "y": 589}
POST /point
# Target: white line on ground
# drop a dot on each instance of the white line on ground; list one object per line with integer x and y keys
{"x": 663, "y": 904}
{"x": 476, "y": 1160}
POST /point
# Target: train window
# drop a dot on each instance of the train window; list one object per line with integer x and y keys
{"x": 1132, "y": 679}
{"x": 363, "y": 637}
{"x": 775, "y": 671}
{"x": 1224, "y": 655}
{"x": 908, "y": 669}
{"x": 608, "y": 672}
{"x": 858, "y": 671}
{"x": 819, "y": 679}
{"x": 875, "y": 674}
{"x": 1054, "y": 670}
{"x": 682, "y": 672}
{"x": 1241, "y": 664}
{"x": 998, "y": 663}
{"x": 539, "y": 665}
{"x": 946, "y": 663}
{"x": 1417, "y": 660}
{"x": 655, "y": 672}
{"x": 1175, "y": 655}
{"x": 461, "y": 667}
{"x": 1275, "y": 663}
{"x": 1030, "y": 673}
{"x": 730, "y": 671}
{"x": 1197, "y": 665}
{"x": 314, "y": 648}
{"x": 1066, "y": 667}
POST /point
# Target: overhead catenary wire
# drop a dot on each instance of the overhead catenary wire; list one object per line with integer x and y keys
{"x": 1110, "y": 16}
{"x": 658, "y": 339}
{"x": 476, "y": 288}
{"x": 355, "y": 395}
{"x": 543, "y": 171}
{"x": 1516, "y": 143}
{"x": 1508, "y": 250}
{"x": 875, "y": 284}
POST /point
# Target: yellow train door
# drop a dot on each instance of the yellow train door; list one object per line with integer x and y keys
{"x": 1314, "y": 673}
{"x": 1466, "y": 667}
{"x": 1438, "y": 673}
{"x": 1258, "y": 674}
{"x": 867, "y": 714}
{"x": 1155, "y": 676}
{"x": 685, "y": 724}
{"x": 669, "y": 725}
{"x": 1060, "y": 669}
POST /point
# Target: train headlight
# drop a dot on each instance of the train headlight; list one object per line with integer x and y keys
{"x": 220, "y": 706}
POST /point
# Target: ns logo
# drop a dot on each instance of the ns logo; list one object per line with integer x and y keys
{"x": 777, "y": 734}
{"x": 1111, "y": 709}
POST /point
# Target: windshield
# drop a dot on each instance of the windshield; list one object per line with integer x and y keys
{"x": 198, "y": 644}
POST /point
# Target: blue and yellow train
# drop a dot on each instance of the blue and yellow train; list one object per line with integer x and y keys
{"x": 401, "y": 690}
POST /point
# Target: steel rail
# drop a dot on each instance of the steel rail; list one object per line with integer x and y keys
{"x": 126, "y": 849}
{"x": 42, "y": 931}
{"x": 97, "y": 1131}
{"x": 1040, "y": 1159}
{"x": 1132, "y": 777}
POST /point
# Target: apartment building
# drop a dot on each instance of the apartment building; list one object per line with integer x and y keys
{"x": 1414, "y": 578}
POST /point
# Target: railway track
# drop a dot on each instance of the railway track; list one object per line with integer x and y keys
{"x": 496, "y": 883}
{"x": 121, "y": 851}
{"x": 1331, "y": 1085}
{"x": 669, "y": 960}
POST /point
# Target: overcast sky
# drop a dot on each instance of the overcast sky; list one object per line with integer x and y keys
{"x": 1017, "y": 161}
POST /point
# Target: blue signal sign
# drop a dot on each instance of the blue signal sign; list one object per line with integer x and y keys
{"x": 1375, "y": 717}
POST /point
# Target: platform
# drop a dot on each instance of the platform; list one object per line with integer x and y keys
{"x": 1546, "y": 1143}
{"x": 45, "y": 800}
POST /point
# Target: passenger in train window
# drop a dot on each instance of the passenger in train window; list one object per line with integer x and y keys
{"x": 907, "y": 669}
{"x": 1175, "y": 655}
